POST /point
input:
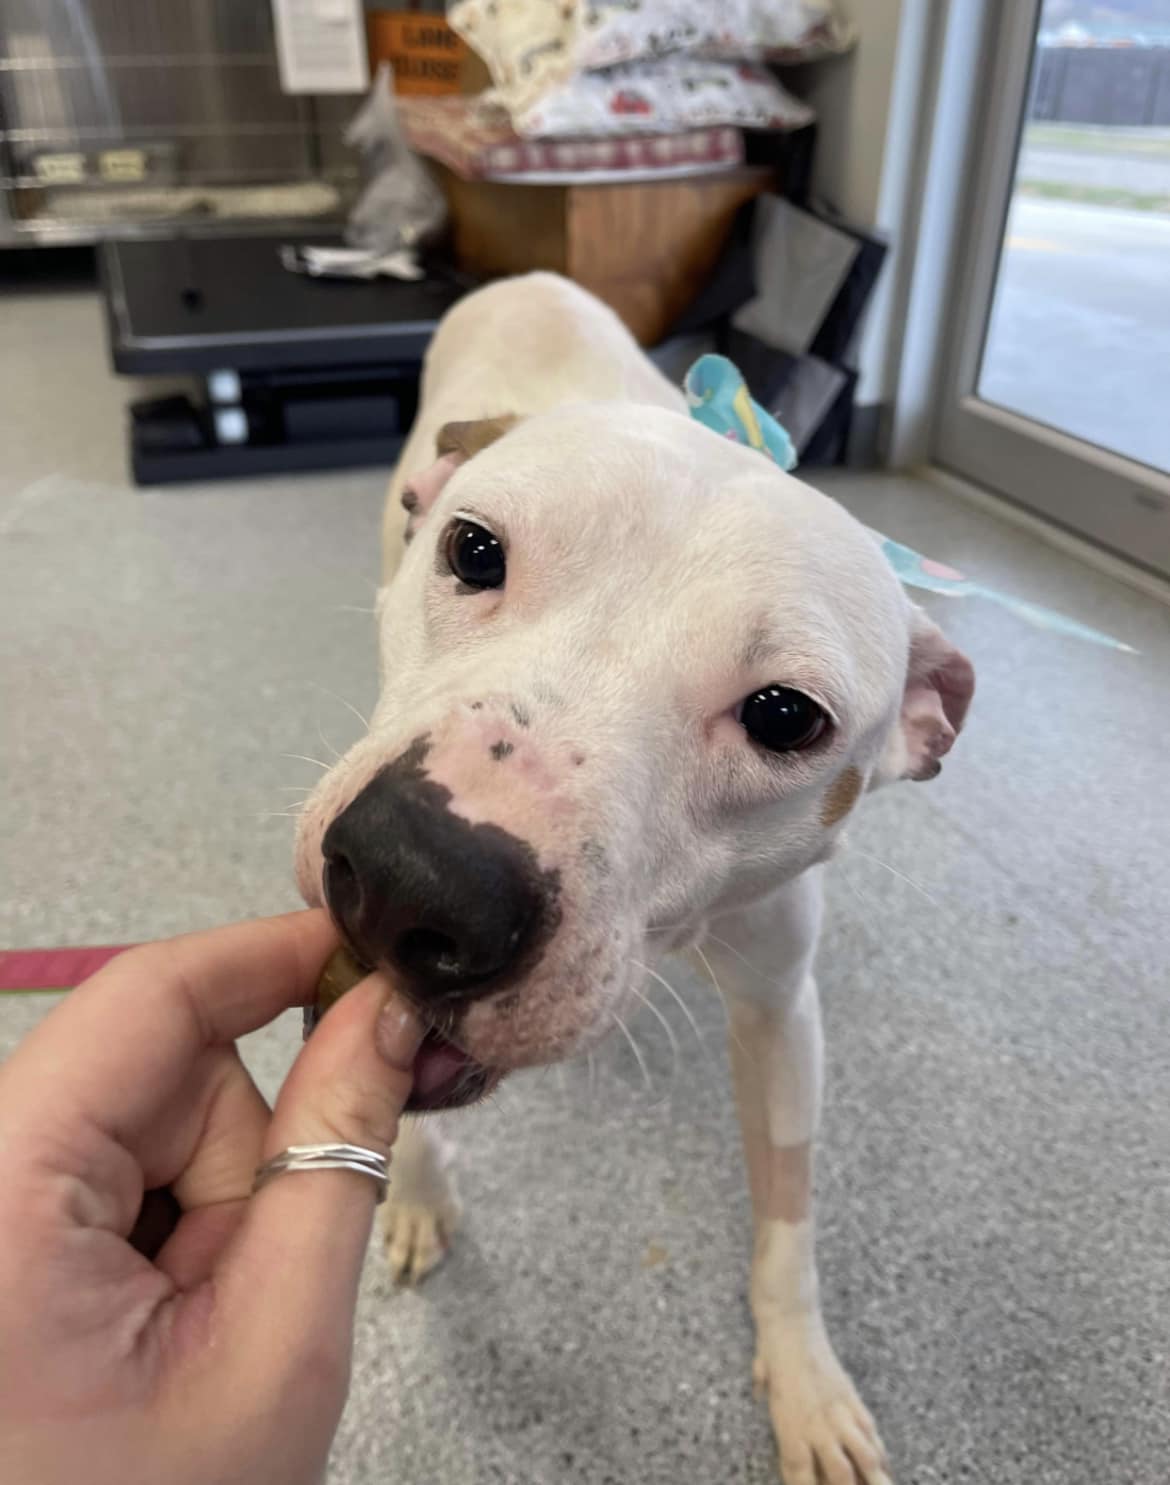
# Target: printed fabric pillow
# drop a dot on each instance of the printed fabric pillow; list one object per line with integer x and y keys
{"x": 533, "y": 46}
{"x": 668, "y": 96}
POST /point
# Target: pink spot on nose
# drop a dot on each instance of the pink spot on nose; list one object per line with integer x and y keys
{"x": 941, "y": 570}
{"x": 732, "y": 434}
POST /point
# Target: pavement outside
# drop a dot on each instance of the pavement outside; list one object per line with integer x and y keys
{"x": 1079, "y": 337}
{"x": 994, "y": 1190}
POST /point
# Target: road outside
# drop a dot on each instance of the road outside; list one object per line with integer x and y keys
{"x": 1080, "y": 329}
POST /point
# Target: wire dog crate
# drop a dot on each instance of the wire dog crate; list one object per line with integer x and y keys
{"x": 119, "y": 116}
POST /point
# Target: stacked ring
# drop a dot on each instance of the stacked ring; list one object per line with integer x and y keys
{"x": 327, "y": 1157}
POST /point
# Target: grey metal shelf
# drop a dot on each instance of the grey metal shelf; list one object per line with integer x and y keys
{"x": 103, "y": 98}
{"x": 161, "y": 59}
{"x": 127, "y": 134}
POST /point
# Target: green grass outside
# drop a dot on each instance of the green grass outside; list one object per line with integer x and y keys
{"x": 1102, "y": 141}
{"x": 1094, "y": 195}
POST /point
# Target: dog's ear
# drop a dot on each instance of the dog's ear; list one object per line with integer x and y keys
{"x": 467, "y": 439}
{"x": 940, "y": 682}
{"x": 454, "y": 445}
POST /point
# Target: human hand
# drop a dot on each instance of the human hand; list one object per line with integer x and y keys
{"x": 225, "y": 1358}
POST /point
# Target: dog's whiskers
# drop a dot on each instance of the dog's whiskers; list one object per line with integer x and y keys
{"x": 634, "y": 1047}
{"x": 866, "y": 902}
{"x": 350, "y": 608}
{"x": 743, "y": 959}
{"x": 678, "y": 1000}
{"x": 304, "y": 758}
{"x": 541, "y": 1076}
{"x": 729, "y": 1030}
{"x": 893, "y": 870}
{"x": 349, "y": 706}
{"x": 728, "y": 1022}
{"x": 732, "y": 1034}
{"x": 326, "y": 744}
{"x": 466, "y": 1077}
{"x": 666, "y": 1026}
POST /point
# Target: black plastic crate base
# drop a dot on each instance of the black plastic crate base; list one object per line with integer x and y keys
{"x": 245, "y": 461}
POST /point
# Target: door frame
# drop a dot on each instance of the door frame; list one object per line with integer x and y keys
{"x": 1114, "y": 501}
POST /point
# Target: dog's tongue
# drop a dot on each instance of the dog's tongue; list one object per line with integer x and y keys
{"x": 437, "y": 1067}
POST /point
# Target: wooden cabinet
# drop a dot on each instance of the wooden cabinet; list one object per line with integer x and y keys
{"x": 645, "y": 248}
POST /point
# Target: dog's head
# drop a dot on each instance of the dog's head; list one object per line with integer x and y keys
{"x": 632, "y": 676}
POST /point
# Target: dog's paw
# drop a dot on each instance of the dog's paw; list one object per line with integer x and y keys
{"x": 417, "y": 1237}
{"x": 824, "y": 1431}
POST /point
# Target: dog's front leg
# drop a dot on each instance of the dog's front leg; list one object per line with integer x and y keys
{"x": 422, "y": 1210}
{"x": 763, "y": 959}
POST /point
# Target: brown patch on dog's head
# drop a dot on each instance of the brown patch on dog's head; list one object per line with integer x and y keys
{"x": 470, "y": 438}
{"x": 841, "y": 797}
{"x": 455, "y": 443}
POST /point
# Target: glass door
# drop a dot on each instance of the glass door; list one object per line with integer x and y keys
{"x": 1058, "y": 389}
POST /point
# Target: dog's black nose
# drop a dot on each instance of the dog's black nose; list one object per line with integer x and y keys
{"x": 456, "y": 907}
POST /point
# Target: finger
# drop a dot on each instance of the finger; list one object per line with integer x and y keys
{"x": 116, "y": 1049}
{"x": 306, "y": 1231}
{"x": 231, "y": 1137}
{"x": 201, "y": 1154}
{"x": 216, "y": 1181}
{"x": 862, "y": 1450}
{"x": 205, "y": 1143}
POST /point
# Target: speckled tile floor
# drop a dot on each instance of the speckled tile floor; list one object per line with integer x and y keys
{"x": 995, "y": 1185}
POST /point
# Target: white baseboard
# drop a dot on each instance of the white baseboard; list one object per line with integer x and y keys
{"x": 1054, "y": 536}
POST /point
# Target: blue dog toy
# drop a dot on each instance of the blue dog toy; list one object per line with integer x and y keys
{"x": 718, "y": 397}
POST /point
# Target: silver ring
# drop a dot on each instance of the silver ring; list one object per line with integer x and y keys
{"x": 327, "y": 1157}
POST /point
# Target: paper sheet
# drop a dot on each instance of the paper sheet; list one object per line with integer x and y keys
{"x": 321, "y": 46}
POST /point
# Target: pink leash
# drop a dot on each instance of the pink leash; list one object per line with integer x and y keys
{"x": 52, "y": 969}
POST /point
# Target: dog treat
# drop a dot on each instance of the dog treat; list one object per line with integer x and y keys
{"x": 341, "y": 973}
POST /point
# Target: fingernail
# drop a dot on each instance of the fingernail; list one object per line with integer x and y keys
{"x": 398, "y": 1032}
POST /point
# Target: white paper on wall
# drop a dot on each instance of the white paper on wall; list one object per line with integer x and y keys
{"x": 321, "y": 46}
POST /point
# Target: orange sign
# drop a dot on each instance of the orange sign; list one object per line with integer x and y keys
{"x": 423, "y": 50}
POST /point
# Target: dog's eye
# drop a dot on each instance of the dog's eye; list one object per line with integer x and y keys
{"x": 783, "y": 720}
{"x": 474, "y": 555}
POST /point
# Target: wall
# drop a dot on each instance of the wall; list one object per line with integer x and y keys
{"x": 852, "y": 96}
{"x": 869, "y": 117}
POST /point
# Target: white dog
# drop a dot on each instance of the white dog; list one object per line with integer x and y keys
{"x": 634, "y": 680}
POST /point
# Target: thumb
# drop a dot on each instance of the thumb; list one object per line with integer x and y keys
{"x": 305, "y": 1232}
